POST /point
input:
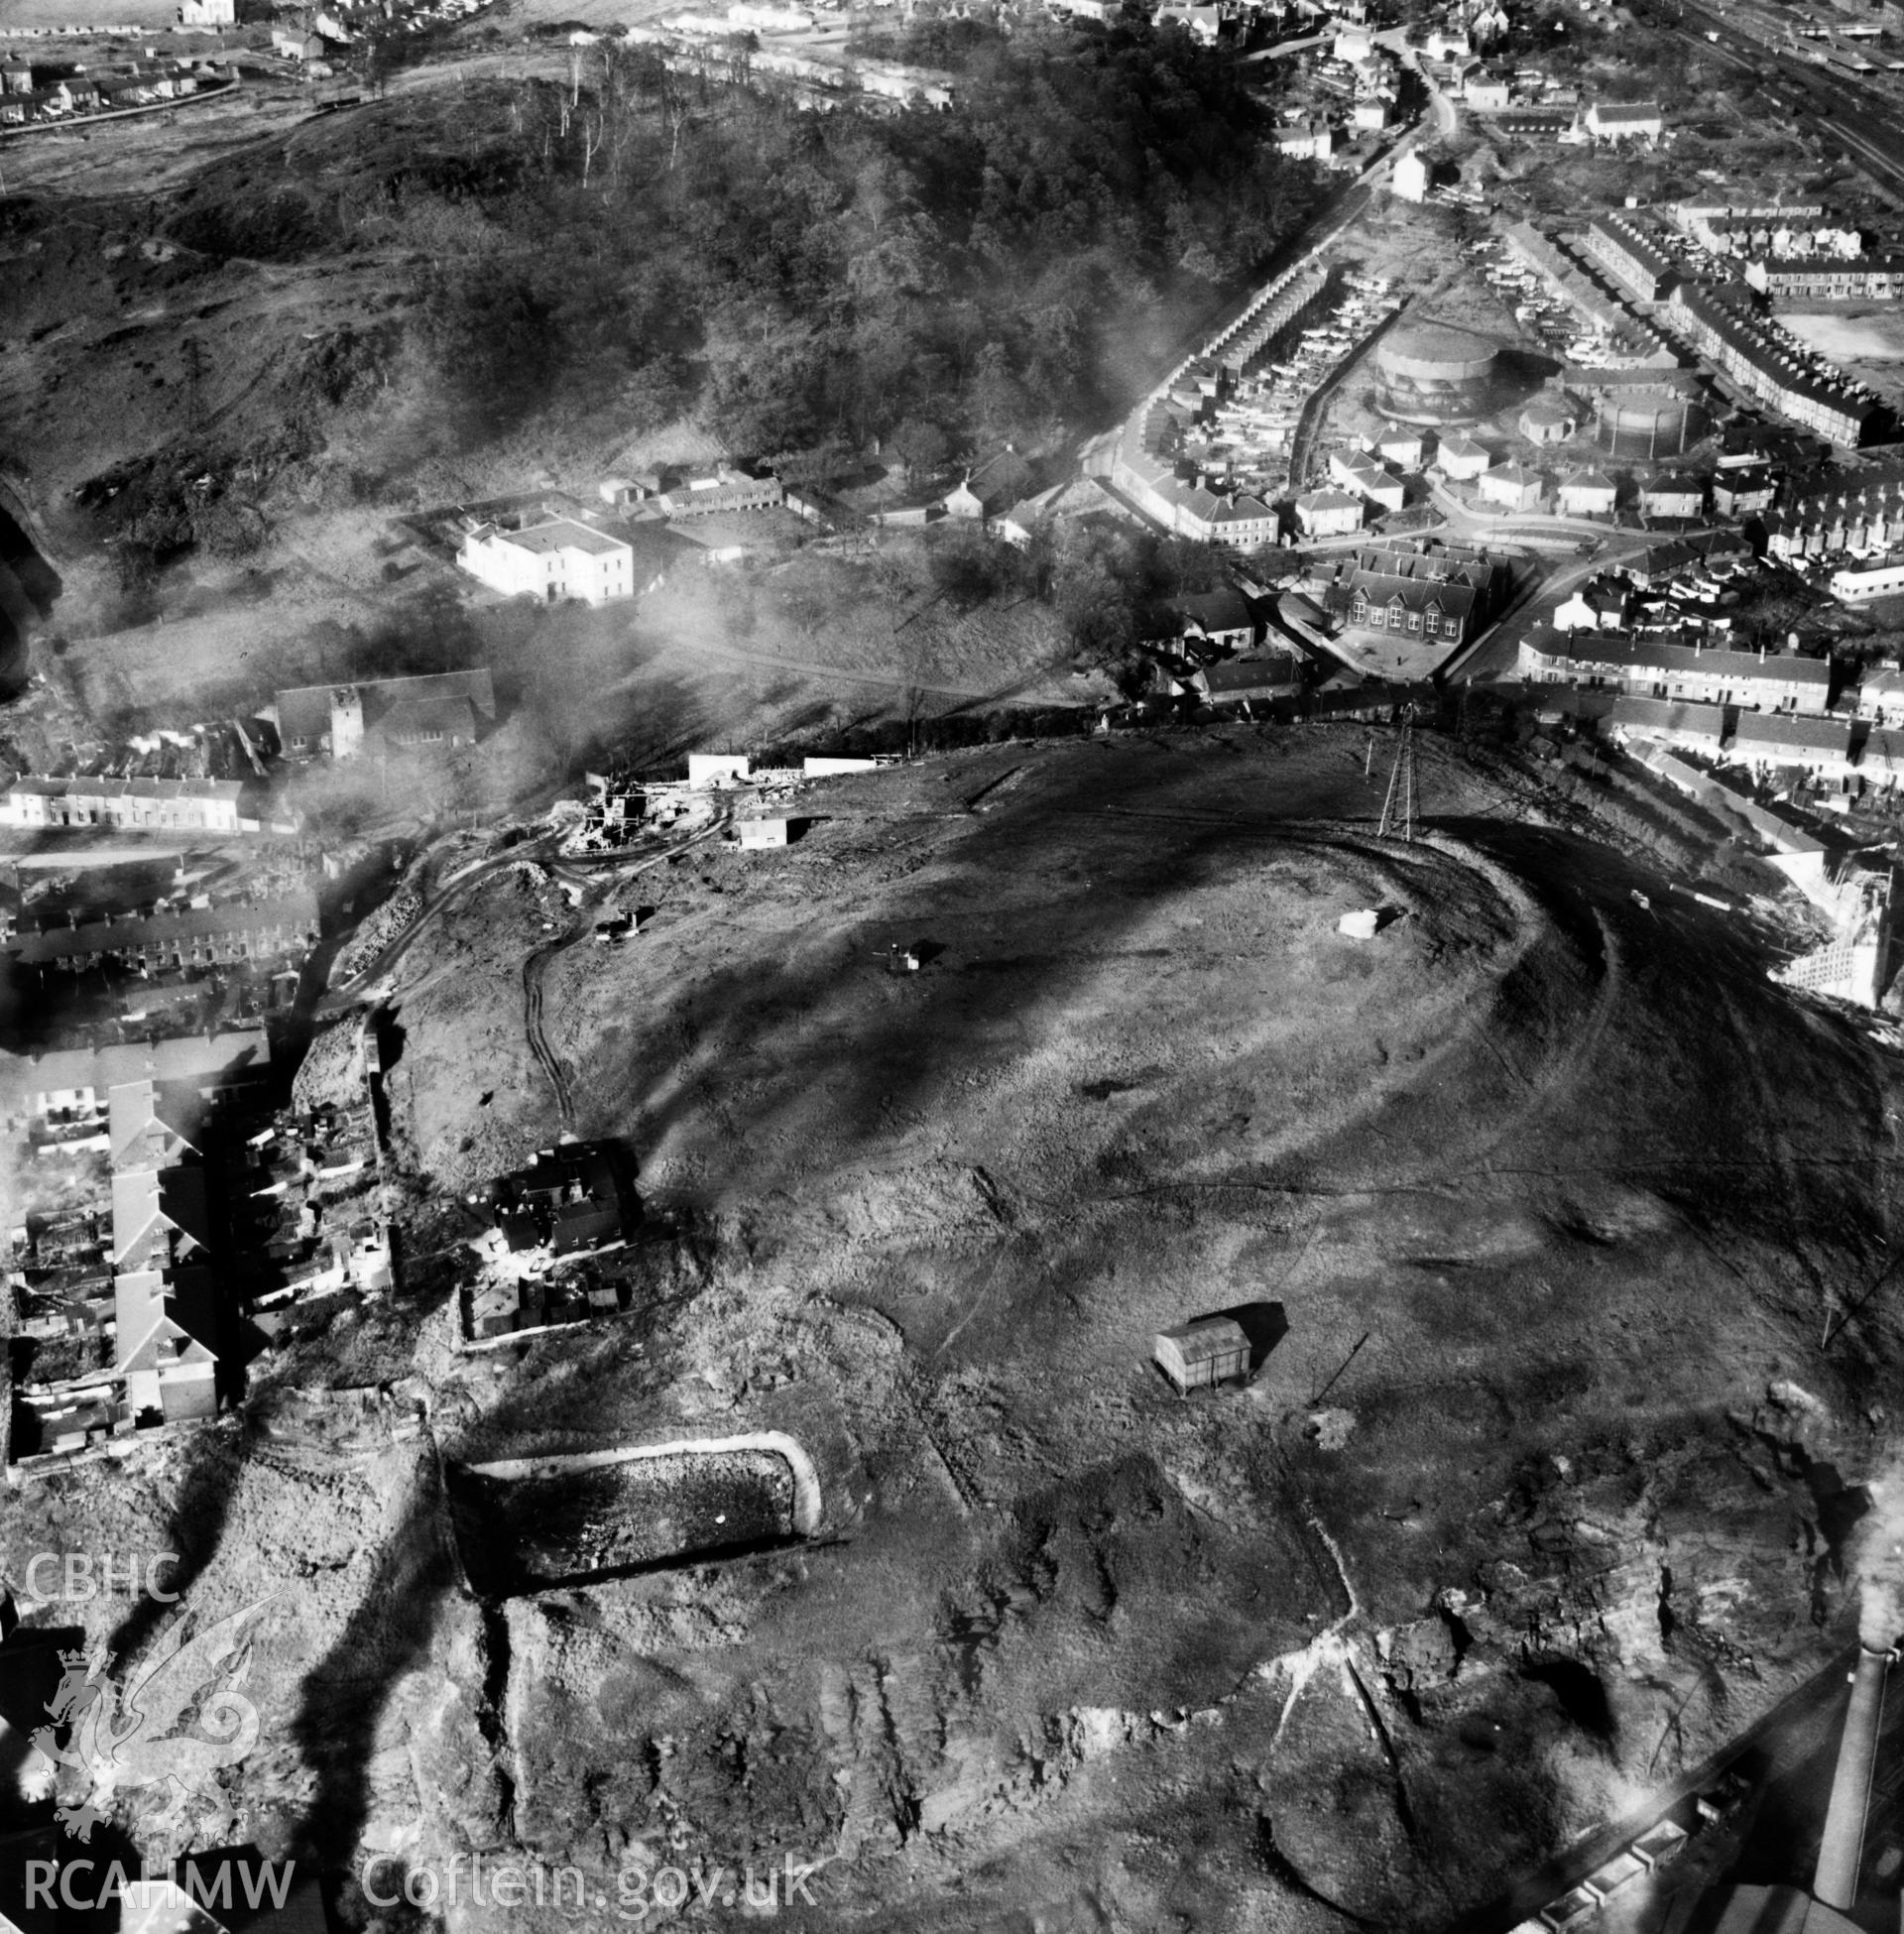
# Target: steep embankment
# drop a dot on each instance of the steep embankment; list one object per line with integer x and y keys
{"x": 1537, "y": 1203}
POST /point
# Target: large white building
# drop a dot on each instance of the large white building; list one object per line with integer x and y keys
{"x": 557, "y": 558}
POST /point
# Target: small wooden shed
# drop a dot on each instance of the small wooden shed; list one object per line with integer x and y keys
{"x": 1203, "y": 1351}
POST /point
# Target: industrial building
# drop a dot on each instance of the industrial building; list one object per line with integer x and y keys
{"x": 1432, "y": 373}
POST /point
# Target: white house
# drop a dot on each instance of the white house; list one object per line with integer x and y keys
{"x": 1410, "y": 179}
{"x": 1328, "y": 514}
{"x": 1512, "y": 486}
{"x": 552, "y": 560}
{"x": 1855, "y": 584}
{"x": 1461, "y": 458}
{"x": 1591, "y": 494}
{"x": 208, "y": 13}
{"x": 1625, "y": 121}
{"x": 1368, "y": 478}
{"x": 1307, "y": 141}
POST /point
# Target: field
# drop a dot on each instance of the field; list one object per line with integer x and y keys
{"x": 1538, "y": 1202}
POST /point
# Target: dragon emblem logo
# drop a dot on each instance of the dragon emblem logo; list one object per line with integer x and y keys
{"x": 175, "y": 1719}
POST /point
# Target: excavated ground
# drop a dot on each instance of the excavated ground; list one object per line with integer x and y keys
{"x": 1578, "y": 1227}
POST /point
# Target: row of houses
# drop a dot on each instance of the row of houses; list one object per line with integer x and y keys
{"x": 1658, "y": 667}
{"x": 204, "y": 806}
{"x": 85, "y": 95}
{"x": 174, "y": 940}
{"x": 1766, "y": 744}
{"x": 1767, "y": 367}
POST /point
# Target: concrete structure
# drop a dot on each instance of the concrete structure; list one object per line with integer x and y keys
{"x": 1842, "y": 1846}
{"x": 1646, "y": 422}
{"x": 757, "y": 835}
{"x": 1855, "y": 584}
{"x": 1549, "y": 419}
{"x": 1197, "y": 1355}
{"x": 1434, "y": 373}
{"x": 559, "y": 557}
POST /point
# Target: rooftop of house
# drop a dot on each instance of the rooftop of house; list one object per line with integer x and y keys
{"x": 303, "y": 711}
{"x": 1669, "y": 714}
{"x": 557, "y": 534}
{"x": 1619, "y": 648}
{"x": 41, "y": 786}
{"x": 1782, "y": 729}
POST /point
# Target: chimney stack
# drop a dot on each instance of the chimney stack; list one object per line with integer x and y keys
{"x": 1842, "y": 1850}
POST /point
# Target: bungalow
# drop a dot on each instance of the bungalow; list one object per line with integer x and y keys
{"x": 1461, "y": 458}
{"x": 1328, "y": 514}
{"x": 1513, "y": 487}
{"x": 1589, "y": 493}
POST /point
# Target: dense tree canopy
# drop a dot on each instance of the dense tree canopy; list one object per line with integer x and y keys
{"x": 651, "y": 239}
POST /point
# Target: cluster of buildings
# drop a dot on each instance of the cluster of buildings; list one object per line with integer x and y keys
{"x": 546, "y": 1255}
{"x": 119, "y": 1278}
{"x": 182, "y": 1211}
{"x": 71, "y": 92}
{"x": 196, "y": 806}
{"x": 378, "y": 717}
{"x": 819, "y": 77}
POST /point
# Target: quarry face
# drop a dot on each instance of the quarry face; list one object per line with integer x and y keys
{"x": 875, "y": 1552}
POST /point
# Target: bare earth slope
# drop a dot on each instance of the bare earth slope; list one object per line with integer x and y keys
{"x": 1535, "y": 1502}
{"x": 1582, "y": 1181}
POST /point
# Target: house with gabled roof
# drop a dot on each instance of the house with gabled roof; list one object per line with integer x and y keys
{"x": 991, "y": 487}
{"x": 1588, "y": 493}
{"x": 164, "y": 1343}
{"x": 1512, "y": 486}
{"x": 1328, "y": 514}
{"x": 153, "y": 1127}
{"x": 160, "y": 1218}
